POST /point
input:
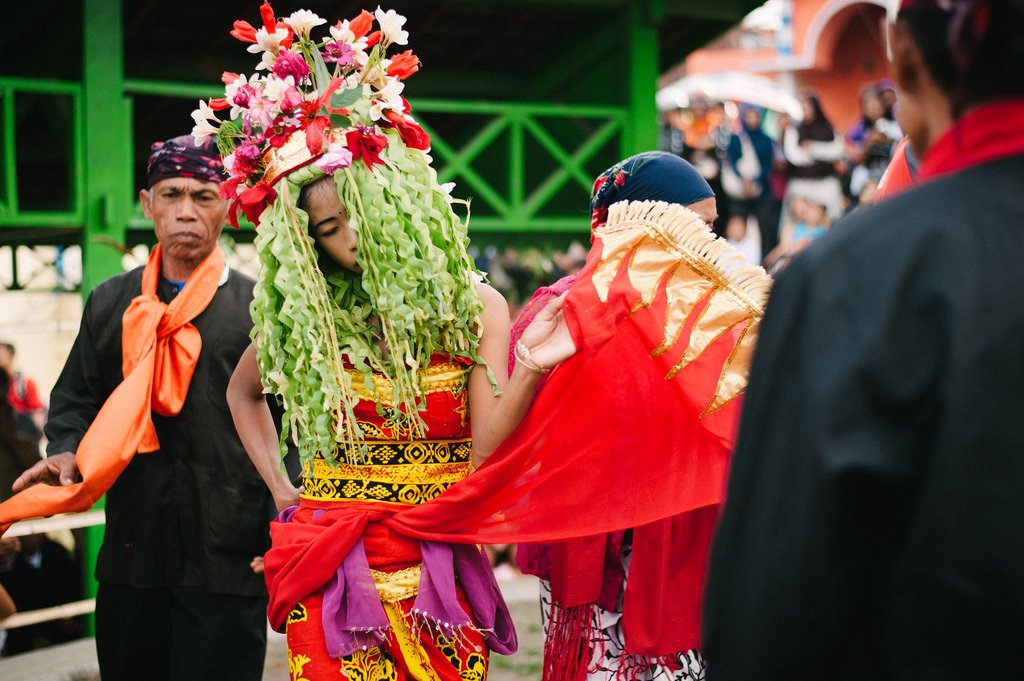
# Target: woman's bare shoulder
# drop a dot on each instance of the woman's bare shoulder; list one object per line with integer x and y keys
{"x": 491, "y": 298}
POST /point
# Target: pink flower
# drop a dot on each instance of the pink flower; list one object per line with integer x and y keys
{"x": 337, "y": 156}
{"x": 247, "y": 151}
{"x": 291, "y": 99}
{"x": 289, "y": 63}
{"x": 244, "y": 96}
{"x": 339, "y": 52}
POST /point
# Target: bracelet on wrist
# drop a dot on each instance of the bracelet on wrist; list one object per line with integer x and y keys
{"x": 523, "y": 356}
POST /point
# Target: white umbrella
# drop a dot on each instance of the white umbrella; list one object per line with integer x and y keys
{"x": 733, "y": 86}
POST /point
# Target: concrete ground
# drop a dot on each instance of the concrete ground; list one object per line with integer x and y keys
{"x": 76, "y": 661}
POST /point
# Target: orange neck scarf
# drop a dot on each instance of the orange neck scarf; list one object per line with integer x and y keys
{"x": 160, "y": 348}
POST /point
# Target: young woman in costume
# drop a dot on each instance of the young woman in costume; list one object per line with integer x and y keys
{"x": 584, "y": 582}
{"x": 387, "y": 350}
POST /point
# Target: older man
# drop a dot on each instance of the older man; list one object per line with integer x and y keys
{"x": 140, "y": 408}
{"x": 875, "y": 510}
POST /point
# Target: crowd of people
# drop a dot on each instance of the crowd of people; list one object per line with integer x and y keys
{"x": 855, "y": 515}
{"x": 768, "y": 169}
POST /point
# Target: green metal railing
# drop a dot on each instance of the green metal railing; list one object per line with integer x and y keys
{"x": 514, "y": 207}
{"x": 12, "y": 213}
{"x": 511, "y": 207}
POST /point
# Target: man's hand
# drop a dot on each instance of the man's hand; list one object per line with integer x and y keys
{"x": 59, "y": 469}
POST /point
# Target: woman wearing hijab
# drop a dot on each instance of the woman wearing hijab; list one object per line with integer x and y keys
{"x": 812, "y": 154}
{"x": 585, "y": 583}
{"x": 747, "y": 180}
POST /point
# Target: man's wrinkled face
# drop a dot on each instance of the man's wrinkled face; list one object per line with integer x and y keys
{"x": 188, "y": 215}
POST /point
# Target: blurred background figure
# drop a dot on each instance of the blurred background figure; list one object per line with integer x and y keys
{"x": 19, "y": 450}
{"x": 815, "y": 158}
{"x": 42, "y": 574}
{"x": 23, "y": 395}
{"x": 810, "y": 222}
{"x": 746, "y": 179}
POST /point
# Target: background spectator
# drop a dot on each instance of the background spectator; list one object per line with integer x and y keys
{"x": 23, "y": 396}
{"x": 812, "y": 155}
{"x": 747, "y": 180}
{"x": 41, "y": 575}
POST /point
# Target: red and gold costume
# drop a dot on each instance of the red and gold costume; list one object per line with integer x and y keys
{"x": 398, "y": 473}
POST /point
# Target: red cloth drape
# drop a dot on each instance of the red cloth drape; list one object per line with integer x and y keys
{"x": 609, "y": 444}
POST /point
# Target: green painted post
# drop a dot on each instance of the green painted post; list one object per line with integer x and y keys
{"x": 107, "y": 136}
{"x": 642, "y": 130}
{"x": 107, "y": 172}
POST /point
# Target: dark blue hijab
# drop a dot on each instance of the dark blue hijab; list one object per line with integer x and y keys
{"x": 650, "y": 176}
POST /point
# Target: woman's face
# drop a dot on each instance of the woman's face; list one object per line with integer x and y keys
{"x": 706, "y": 209}
{"x": 329, "y": 225}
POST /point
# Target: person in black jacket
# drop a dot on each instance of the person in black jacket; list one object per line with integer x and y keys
{"x": 872, "y": 528}
{"x": 177, "y": 598}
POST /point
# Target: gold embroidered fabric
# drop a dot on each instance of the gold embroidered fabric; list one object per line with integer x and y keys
{"x": 667, "y": 247}
{"x": 439, "y": 377}
{"x": 397, "y": 586}
{"x": 408, "y": 473}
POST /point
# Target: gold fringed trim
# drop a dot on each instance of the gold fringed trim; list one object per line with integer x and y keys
{"x": 668, "y": 247}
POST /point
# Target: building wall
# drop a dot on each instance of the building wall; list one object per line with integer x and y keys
{"x": 850, "y": 57}
{"x": 838, "y": 49}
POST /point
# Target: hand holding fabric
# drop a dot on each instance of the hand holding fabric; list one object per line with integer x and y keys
{"x": 548, "y": 338}
{"x": 58, "y": 469}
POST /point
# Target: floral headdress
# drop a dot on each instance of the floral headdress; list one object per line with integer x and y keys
{"x": 334, "y": 107}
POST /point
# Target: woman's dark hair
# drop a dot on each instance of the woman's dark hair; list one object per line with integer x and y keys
{"x": 974, "y": 51}
{"x": 819, "y": 128}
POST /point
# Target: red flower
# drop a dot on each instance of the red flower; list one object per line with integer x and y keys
{"x": 366, "y": 146}
{"x": 361, "y": 24}
{"x": 412, "y": 134}
{"x": 253, "y": 201}
{"x": 229, "y": 189}
{"x": 267, "y": 14}
{"x": 228, "y": 77}
{"x": 244, "y": 31}
{"x": 278, "y": 134}
{"x": 315, "y": 134}
{"x": 372, "y": 39}
{"x": 219, "y": 104}
{"x": 403, "y": 65}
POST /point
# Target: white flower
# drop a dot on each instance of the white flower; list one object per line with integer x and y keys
{"x": 388, "y": 97}
{"x": 391, "y": 23}
{"x": 275, "y": 88}
{"x": 269, "y": 44}
{"x": 342, "y": 33}
{"x": 302, "y": 21}
{"x": 204, "y": 118}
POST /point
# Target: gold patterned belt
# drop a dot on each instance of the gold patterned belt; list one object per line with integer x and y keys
{"x": 399, "y": 472}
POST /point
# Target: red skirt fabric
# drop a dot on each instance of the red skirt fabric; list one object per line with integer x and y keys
{"x": 411, "y": 650}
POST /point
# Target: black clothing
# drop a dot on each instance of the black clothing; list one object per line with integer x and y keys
{"x": 875, "y": 509}
{"x": 179, "y": 633}
{"x": 57, "y": 580}
{"x": 194, "y": 513}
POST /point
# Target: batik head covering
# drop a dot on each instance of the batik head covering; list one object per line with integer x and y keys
{"x": 333, "y": 106}
{"x": 650, "y": 176}
{"x": 182, "y": 157}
